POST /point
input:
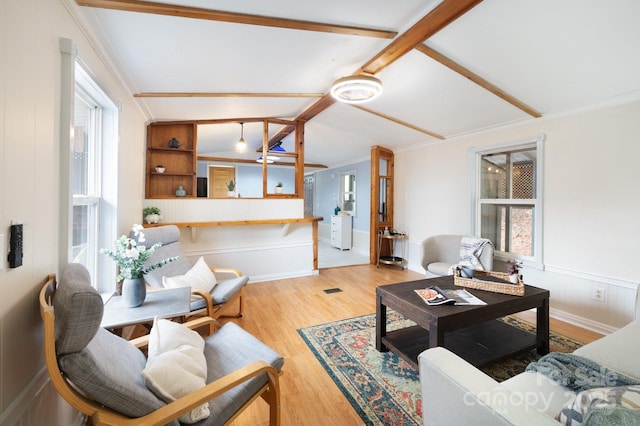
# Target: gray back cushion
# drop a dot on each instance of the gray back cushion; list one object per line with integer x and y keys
{"x": 102, "y": 365}
{"x": 78, "y": 308}
{"x": 169, "y": 237}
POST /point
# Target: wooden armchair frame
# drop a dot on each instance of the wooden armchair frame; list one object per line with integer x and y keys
{"x": 218, "y": 311}
{"x": 100, "y": 415}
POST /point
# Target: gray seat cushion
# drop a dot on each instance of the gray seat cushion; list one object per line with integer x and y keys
{"x": 222, "y": 292}
{"x": 227, "y": 350}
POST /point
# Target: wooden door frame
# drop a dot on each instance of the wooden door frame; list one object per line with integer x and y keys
{"x": 380, "y": 153}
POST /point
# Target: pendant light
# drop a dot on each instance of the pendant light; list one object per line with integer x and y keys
{"x": 241, "y": 146}
{"x": 270, "y": 157}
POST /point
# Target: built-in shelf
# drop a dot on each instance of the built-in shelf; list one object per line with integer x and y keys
{"x": 180, "y": 163}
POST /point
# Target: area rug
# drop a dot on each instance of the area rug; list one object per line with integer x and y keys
{"x": 383, "y": 388}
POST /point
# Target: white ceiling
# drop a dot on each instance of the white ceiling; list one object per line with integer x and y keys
{"x": 551, "y": 55}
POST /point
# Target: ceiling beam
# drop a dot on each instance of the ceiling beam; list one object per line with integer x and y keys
{"x": 238, "y": 18}
{"x": 477, "y": 79}
{"x": 224, "y": 95}
{"x": 320, "y": 105}
{"x": 398, "y": 121}
{"x": 441, "y": 16}
{"x": 254, "y": 162}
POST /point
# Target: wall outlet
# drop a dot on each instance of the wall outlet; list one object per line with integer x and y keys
{"x": 599, "y": 294}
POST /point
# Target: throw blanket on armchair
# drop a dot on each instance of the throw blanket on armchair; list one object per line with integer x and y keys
{"x": 604, "y": 397}
{"x": 471, "y": 250}
{"x": 578, "y": 373}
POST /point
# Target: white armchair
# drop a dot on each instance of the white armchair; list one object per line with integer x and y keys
{"x": 441, "y": 252}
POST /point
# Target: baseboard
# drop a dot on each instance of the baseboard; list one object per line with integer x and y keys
{"x": 19, "y": 405}
{"x": 582, "y": 322}
{"x": 272, "y": 277}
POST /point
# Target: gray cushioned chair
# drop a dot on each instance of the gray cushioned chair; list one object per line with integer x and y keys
{"x": 441, "y": 252}
{"x": 100, "y": 374}
{"x": 226, "y": 292}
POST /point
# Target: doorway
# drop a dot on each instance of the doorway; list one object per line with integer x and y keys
{"x": 219, "y": 177}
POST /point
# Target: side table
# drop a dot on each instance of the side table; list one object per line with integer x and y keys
{"x": 166, "y": 303}
{"x": 393, "y": 239}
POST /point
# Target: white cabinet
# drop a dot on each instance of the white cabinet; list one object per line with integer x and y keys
{"x": 341, "y": 232}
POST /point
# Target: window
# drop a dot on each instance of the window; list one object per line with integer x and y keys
{"x": 508, "y": 205}
{"x": 348, "y": 193}
{"x": 91, "y": 151}
{"x": 85, "y": 182}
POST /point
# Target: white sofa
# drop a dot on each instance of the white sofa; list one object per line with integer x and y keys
{"x": 441, "y": 252}
{"x": 455, "y": 393}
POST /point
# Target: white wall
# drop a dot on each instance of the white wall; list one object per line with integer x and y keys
{"x": 29, "y": 172}
{"x": 591, "y": 203}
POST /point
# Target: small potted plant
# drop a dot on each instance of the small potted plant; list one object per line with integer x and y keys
{"x": 151, "y": 214}
{"x": 279, "y": 188}
{"x": 231, "y": 186}
{"x": 513, "y": 270}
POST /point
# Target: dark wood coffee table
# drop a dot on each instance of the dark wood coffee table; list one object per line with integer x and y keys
{"x": 472, "y": 332}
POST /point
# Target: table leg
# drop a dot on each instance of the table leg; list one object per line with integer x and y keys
{"x": 436, "y": 336}
{"x": 381, "y": 324}
{"x": 542, "y": 326}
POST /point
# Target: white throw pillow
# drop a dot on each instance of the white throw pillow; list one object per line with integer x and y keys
{"x": 199, "y": 277}
{"x": 176, "y": 365}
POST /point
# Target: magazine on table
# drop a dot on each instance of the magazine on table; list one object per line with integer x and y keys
{"x": 436, "y": 296}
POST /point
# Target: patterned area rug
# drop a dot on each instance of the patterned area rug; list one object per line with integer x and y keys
{"x": 381, "y": 387}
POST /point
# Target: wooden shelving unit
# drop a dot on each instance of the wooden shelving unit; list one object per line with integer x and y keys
{"x": 180, "y": 163}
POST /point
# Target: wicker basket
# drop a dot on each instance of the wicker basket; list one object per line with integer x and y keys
{"x": 506, "y": 288}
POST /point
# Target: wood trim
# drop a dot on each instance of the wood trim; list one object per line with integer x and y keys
{"x": 238, "y": 18}
{"x": 375, "y": 225}
{"x": 224, "y": 95}
{"x": 444, "y": 14}
{"x": 476, "y": 79}
{"x": 245, "y": 161}
{"x": 238, "y": 222}
{"x": 320, "y": 105}
{"x": 398, "y": 121}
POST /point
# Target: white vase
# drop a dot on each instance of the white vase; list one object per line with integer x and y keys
{"x": 134, "y": 291}
{"x": 152, "y": 218}
{"x": 231, "y": 194}
{"x": 278, "y": 190}
{"x": 513, "y": 278}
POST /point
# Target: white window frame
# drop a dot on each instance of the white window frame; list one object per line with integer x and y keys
{"x": 104, "y": 175}
{"x": 475, "y": 156}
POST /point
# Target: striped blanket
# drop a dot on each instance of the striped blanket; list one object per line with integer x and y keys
{"x": 471, "y": 250}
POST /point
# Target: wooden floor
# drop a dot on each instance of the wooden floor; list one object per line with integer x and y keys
{"x": 274, "y": 312}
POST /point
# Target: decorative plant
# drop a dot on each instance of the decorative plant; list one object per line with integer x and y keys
{"x": 131, "y": 256}
{"x": 231, "y": 185}
{"x": 514, "y": 267}
{"x": 279, "y": 184}
{"x": 150, "y": 210}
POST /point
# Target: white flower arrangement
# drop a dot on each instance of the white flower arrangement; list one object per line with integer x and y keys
{"x": 131, "y": 256}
